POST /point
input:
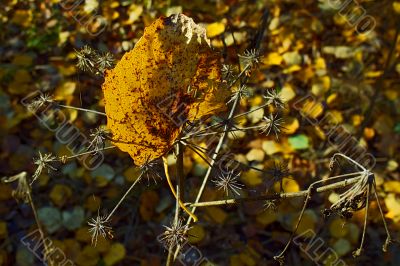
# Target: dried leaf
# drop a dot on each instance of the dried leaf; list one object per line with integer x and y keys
{"x": 171, "y": 76}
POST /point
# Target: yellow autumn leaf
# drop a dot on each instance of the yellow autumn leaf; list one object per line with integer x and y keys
{"x": 148, "y": 203}
{"x": 392, "y": 94}
{"x": 103, "y": 244}
{"x": 22, "y": 17}
{"x": 22, "y": 60}
{"x": 337, "y": 229}
{"x": 369, "y": 133}
{"x": 115, "y": 254}
{"x": 65, "y": 91}
{"x": 373, "y": 74}
{"x": 332, "y": 99}
{"x": 307, "y": 224}
{"x": 291, "y": 69}
{"x": 88, "y": 256}
{"x": 265, "y": 218}
{"x": 217, "y": 214}
{"x": 251, "y": 178}
{"x": 287, "y": 93}
{"x": 396, "y": 7}
{"x": 21, "y": 83}
{"x": 273, "y": 59}
{"x": 247, "y": 259}
{"x": 291, "y": 125}
{"x": 320, "y": 63}
{"x": 392, "y": 186}
{"x": 334, "y": 117}
{"x": 92, "y": 203}
{"x": 393, "y": 205}
{"x": 271, "y": 147}
{"x": 3, "y": 230}
{"x": 134, "y": 12}
{"x": 356, "y": 120}
{"x": 288, "y": 184}
{"x": 196, "y": 234}
{"x": 255, "y": 155}
{"x": 171, "y": 76}
{"x": 215, "y": 29}
{"x": 60, "y": 194}
{"x": 83, "y": 235}
{"x": 312, "y": 109}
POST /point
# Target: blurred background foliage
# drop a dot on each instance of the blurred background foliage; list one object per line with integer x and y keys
{"x": 309, "y": 49}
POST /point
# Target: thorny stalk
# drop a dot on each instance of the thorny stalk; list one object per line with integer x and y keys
{"x": 388, "y": 236}
{"x": 42, "y": 236}
{"x": 179, "y": 195}
{"x": 358, "y": 251}
{"x": 44, "y": 161}
{"x": 81, "y": 109}
{"x": 311, "y": 190}
{"x": 285, "y": 195}
{"x": 48, "y": 99}
{"x": 98, "y": 225}
{"x": 124, "y": 196}
{"x": 171, "y": 186}
{"x": 243, "y": 81}
{"x": 23, "y": 191}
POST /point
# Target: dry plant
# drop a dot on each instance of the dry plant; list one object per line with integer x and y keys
{"x": 150, "y": 132}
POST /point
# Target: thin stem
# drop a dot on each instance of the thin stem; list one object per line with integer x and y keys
{"x": 237, "y": 99}
{"x": 191, "y": 215}
{"x": 311, "y": 189}
{"x": 199, "y": 133}
{"x": 47, "y": 249}
{"x": 124, "y": 196}
{"x": 219, "y": 146}
{"x": 280, "y": 256}
{"x": 180, "y": 173}
{"x": 179, "y": 191}
{"x": 82, "y": 109}
{"x": 388, "y": 238}
{"x": 285, "y": 195}
{"x": 251, "y": 111}
{"x": 349, "y": 159}
{"x": 358, "y": 251}
{"x": 171, "y": 258}
{"x": 196, "y": 150}
{"x": 86, "y": 152}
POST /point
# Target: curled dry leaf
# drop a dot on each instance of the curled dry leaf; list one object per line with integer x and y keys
{"x": 170, "y": 77}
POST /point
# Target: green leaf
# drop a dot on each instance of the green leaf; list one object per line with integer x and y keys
{"x": 299, "y": 142}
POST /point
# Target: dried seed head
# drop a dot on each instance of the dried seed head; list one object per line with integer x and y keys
{"x": 99, "y": 136}
{"x": 39, "y": 102}
{"x": 151, "y": 170}
{"x": 86, "y": 59}
{"x": 274, "y": 98}
{"x": 228, "y": 183}
{"x": 353, "y": 199}
{"x": 174, "y": 235}
{"x": 227, "y": 72}
{"x": 242, "y": 92}
{"x": 43, "y": 162}
{"x": 271, "y": 205}
{"x": 105, "y": 61}
{"x": 23, "y": 189}
{"x": 98, "y": 228}
{"x": 250, "y": 58}
{"x": 272, "y": 123}
{"x": 278, "y": 170}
